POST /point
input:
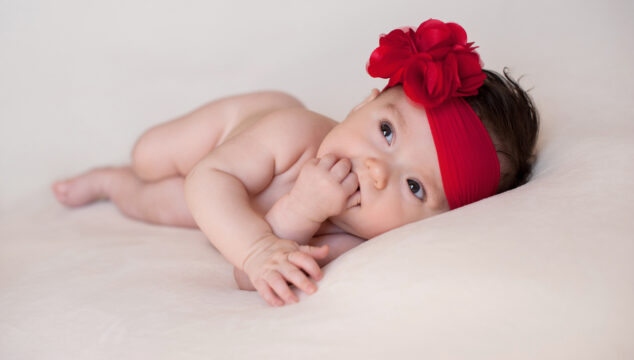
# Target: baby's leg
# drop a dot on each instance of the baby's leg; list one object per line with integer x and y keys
{"x": 151, "y": 189}
{"x": 161, "y": 202}
{"x": 174, "y": 147}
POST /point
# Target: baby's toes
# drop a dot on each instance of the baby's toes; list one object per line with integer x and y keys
{"x": 69, "y": 194}
{"x": 59, "y": 189}
{"x": 79, "y": 191}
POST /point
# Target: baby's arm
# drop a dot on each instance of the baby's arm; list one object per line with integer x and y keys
{"x": 217, "y": 192}
{"x": 337, "y": 245}
{"x": 285, "y": 223}
{"x": 322, "y": 189}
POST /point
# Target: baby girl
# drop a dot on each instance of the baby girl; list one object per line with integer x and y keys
{"x": 281, "y": 190}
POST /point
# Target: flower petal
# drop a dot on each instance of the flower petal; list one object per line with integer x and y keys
{"x": 396, "y": 78}
{"x": 386, "y": 60}
{"x": 413, "y": 84}
{"x": 470, "y": 73}
{"x": 425, "y": 83}
{"x": 396, "y": 38}
{"x": 433, "y": 62}
{"x": 433, "y": 33}
{"x": 459, "y": 35}
{"x": 451, "y": 74}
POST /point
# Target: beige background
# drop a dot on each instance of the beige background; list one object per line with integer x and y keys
{"x": 543, "y": 271}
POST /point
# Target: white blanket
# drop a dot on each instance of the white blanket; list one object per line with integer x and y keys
{"x": 544, "y": 271}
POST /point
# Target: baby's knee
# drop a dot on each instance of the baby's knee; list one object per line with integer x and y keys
{"x": 149, "y": 161}
{"x": 242, "y": 280}
{"x": 280, "y": 99}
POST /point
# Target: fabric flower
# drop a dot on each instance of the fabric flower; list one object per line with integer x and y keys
{"x": 435, "y": 62}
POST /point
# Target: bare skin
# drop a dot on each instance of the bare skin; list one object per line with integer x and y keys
{"x": 278, "y": 189}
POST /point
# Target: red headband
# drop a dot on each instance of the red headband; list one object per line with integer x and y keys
{"x": 437, "y": 67}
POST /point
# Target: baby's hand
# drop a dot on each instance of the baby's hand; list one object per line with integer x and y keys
{"x": 324, "y": 188}
{"x": 273, "y": 261}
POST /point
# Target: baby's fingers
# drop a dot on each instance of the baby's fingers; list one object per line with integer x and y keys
{"x": 280, "y": 286}
{"x": 326, "y": 161}
{"x": 318, "y": 252}
{"x": 297, "y": 277}
{"x": 305, "y": 259}
{"x": 267, "y": 294}
{"x": 350, "y": 184}
{"x": 341, "y": 169}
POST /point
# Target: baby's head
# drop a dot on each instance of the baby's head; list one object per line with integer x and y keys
{"x": 410, "y": 168}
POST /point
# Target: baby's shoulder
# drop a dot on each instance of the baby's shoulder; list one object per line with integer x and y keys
{"x": 295, "y": 130}
{"x": 297, "y": 123}
{"x": 291, "y": 135}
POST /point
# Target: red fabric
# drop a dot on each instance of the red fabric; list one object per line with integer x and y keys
{"x": 469, "y": 165}
{"x": 437, "y": 67}
{"x": 435, "y": 62}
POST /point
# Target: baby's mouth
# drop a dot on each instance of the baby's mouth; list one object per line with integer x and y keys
{"x": 357, "y": 197}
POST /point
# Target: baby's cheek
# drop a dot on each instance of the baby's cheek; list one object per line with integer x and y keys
{"x": 342, "y": 143}
{"x": 383, "y": 219}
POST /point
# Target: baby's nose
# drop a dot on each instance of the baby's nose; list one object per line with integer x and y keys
{"x": 378, "y": 172}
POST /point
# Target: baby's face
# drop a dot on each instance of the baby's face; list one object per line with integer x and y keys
{"x": 390, "y": 145}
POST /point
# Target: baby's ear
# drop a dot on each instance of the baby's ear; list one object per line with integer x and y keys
{"x": 373, "y": 94}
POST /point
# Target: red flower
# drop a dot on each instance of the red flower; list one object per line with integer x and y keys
{"x": 433, "y": 63}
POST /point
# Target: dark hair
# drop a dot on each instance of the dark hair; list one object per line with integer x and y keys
{"x": 510, "y": 117}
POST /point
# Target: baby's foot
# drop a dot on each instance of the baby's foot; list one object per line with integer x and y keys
{"x": 83, "y": 189}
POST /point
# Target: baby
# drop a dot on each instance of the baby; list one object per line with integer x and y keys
{"x": 281, "y": 190}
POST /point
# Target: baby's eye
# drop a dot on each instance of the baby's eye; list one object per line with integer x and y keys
{"x": 416, "y": 188}
{"x": 386, "y": 128}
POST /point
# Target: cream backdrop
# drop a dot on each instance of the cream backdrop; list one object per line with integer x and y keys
{"x": 544, "y": 271}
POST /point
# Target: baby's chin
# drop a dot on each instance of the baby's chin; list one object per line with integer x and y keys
{"x": 352, "y": 222}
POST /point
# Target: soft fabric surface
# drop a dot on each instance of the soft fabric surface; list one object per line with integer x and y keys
{"x": 544, "y": 271}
